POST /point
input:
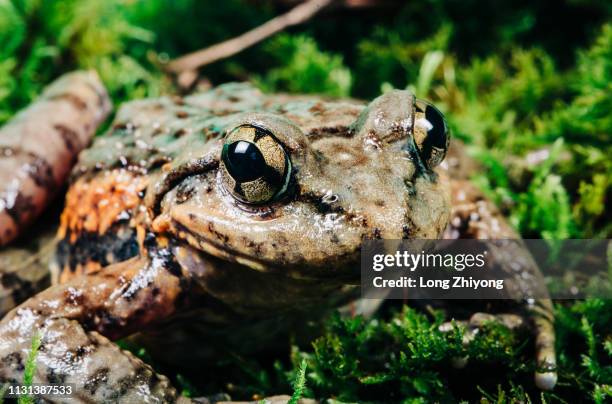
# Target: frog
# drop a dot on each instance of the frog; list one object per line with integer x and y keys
{"x": 225, "y": 217}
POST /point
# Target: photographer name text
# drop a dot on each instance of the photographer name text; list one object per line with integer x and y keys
{"x": 422, "y": 264}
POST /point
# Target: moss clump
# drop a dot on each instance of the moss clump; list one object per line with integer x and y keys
{"x": 401, "y": 356}
{"x": 406, "y": 359}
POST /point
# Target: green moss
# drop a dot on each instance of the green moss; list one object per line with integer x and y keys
{"x": 304, "y": 68}
{"x": 299, "y": 384}
{"x": 402, "y": 356}
{"x": 30, "y": 369}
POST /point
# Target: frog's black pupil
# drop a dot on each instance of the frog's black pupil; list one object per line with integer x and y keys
{"x": 244, "y": 161}
{"x": 436, "y": 136}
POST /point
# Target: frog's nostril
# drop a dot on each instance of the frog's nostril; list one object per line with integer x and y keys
{"x": 329, "y": 198}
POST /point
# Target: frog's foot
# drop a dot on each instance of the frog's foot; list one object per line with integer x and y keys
{"x": 478, "y": 320}
{"x": 473, "y": 326}
{"x": 546, "y": 374}
{"x": 70, "y": 356}
{"x": 74, "y": 322}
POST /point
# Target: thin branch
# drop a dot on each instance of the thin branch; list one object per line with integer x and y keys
{"x": 297, "y": 15}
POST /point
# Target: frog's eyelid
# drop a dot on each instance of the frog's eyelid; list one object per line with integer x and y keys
{"x": 284, "y": 131}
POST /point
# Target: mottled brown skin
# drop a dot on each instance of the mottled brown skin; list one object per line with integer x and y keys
{"x": 151, "y": 242}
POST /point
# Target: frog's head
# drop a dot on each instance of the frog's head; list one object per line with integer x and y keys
{"x": 298, "y": 188}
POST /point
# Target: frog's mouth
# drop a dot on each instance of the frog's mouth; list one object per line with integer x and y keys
{"x": 218, "y": 250}
{"x": 207, "y": 247}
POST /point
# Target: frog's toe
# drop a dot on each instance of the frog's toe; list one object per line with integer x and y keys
{"x": 546, "y": 373}
{"x": 546, "y": 380}
{"x": 546, "y": 358}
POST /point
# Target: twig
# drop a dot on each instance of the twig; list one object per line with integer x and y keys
{"x": 296, "y": 15}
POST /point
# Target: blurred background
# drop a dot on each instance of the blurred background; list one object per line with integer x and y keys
{"x": 526, "y": 84}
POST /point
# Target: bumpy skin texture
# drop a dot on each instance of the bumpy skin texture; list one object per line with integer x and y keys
{"x": 39, "y": 146}
{"x": 151, "y": 241}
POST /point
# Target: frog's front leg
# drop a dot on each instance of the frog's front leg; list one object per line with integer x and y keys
{"x": 75, "y": 320}
{"x": 473, "y": 216}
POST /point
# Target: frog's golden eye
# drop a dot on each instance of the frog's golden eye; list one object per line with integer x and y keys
{"x": 431, "y": 134}
{"x": 255, "y": 167}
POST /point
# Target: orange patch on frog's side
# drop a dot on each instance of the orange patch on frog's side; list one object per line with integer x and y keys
{"x": 94, "y": 205}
